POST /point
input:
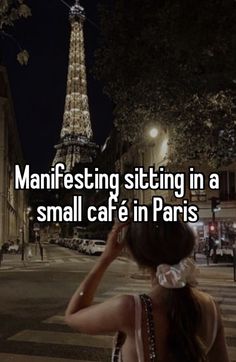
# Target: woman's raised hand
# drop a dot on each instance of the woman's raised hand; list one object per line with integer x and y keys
{"x": 114, "y": 245}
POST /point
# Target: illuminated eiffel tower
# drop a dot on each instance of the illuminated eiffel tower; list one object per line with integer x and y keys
{"x": 76, "y": 144}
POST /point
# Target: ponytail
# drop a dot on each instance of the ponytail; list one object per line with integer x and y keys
{"x": 184, "y": 316}
{"x": 153, "y": 244}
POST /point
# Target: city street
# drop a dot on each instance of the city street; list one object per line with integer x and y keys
{"x": 116, "y": 111}
{"x": 34, "y": 297}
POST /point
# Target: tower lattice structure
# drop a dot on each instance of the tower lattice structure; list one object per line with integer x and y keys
{"x": 76, "y": 144}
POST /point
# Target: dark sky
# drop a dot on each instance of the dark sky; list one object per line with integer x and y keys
{"x": 38, "y": 89}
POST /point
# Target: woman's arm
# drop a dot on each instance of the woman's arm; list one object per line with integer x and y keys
{"x": 84, "y": 295}
{"x": 105, "y": 317}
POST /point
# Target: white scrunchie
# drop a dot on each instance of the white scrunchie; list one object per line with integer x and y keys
{"x": 179, "y": 275}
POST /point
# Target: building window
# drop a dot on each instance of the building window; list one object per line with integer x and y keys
{"x": 198, "y": 195}
{"x": 228, "y": 185}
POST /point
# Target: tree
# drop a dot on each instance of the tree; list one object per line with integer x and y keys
{"x": 10, "y": 12}
{"x": 173, "y": 61}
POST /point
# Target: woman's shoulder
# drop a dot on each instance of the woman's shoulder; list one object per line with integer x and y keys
{"x": 202, "y": 296}
{"x": 123, "y": 303}
{"x": 125, "y": 300}
{"x": 205, "y": 300}
{"x": 125, "y": 306}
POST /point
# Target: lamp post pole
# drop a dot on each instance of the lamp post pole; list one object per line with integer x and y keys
{"x": 23, "y": 244}
{"x": 234, "y": 259}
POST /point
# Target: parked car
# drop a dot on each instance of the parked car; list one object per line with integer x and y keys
{"x": 74, "y": 244}
{"x": 96, "y": 247}
{"x": 5, "y": 247}
{"x": 79, "y": 245}
{"x": 11, "y": 248}
{"x": 61, "y": 242}
{"x": 84, "y": 246}
{"x": 69, "y": 243}
{"x": 14, "y": 249}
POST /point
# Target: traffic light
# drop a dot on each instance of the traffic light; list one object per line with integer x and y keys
{"x": 213, "y": 228}
{"x": 215, "y": 203}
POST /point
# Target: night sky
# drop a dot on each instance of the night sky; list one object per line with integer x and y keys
{"x": 38, "y": 90}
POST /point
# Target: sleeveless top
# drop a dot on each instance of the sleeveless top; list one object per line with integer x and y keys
{"x": 147, "y": 303}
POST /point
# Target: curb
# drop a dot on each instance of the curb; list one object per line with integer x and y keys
{"x": 7, "y": 265}
{"x": 6, "y": 268}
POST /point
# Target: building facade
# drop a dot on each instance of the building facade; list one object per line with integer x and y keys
{"x": 13, "y": 204}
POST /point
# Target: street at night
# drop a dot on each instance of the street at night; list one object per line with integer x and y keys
{"x": 34, "y": 298}
{"x": 117, "y": 181}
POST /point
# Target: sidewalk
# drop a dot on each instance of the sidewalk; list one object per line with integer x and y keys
{"x": 223, "y": 276}
{"x": 12, "y": 261}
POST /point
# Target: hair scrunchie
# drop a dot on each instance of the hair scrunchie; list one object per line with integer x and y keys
{"x": 178, "y": 275}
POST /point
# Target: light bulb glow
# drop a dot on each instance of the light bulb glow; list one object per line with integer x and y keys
{"x": 153, "y": 133}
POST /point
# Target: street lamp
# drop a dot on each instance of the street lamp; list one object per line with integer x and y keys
{"x": 153, "y": 132}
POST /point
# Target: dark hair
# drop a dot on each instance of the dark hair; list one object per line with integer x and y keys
{"x": 155, "y": 243}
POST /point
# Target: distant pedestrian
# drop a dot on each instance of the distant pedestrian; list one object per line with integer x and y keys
{"x": 211, "y": 243}
{"x": 212, "y": 248}
{"x": 175, "y": 321}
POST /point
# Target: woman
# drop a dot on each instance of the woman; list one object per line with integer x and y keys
{"x": 175, "y": 322}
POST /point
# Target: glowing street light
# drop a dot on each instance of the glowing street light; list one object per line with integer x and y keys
{"x": 153, "y": 133}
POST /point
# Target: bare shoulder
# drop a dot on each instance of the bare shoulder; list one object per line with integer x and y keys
{"x": 124, "y": 305}
{"x": 202, "y": 297}
{"x": 207, "y": 302}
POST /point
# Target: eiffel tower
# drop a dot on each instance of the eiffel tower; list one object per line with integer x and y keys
{"x": 76, "y": 146}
